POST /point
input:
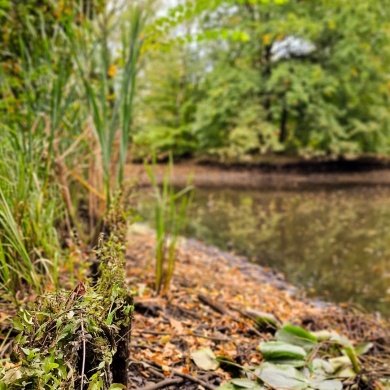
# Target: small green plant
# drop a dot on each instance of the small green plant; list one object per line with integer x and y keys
{"x": 302, "y": 360}
{"x": 170, "y": 218}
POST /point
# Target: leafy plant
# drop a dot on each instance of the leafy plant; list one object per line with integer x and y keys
{"x": 300, "y": 360}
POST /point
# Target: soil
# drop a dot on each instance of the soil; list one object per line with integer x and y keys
{"x": 207, "y": 305}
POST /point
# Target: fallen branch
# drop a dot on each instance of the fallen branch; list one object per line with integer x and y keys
{"x": 193, "y": 379}
{"x": 148, "y": 364}
{"x": 222, "y": 310}
{"x": 215, "y": 306}
{"x": 162, "y": 384}
{"x": 194, "y": 334}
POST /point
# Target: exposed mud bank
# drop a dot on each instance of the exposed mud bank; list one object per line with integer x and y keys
{"x": 283, "y": 174}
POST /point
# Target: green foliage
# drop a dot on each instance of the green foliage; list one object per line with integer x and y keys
{"x": 29, "y": 245}
{"x": 167, "y": 103}
{"x": 289, "y": 366}
{"x": 305, "y": 78}
{"x": 110, "y": 96}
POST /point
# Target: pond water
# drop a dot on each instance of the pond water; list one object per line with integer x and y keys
{"x": 333, "y": 242}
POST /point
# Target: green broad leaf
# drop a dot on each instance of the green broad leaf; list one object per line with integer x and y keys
{"x": 341, "y": 340}
{"x": 227, "y": 386}
{"x": 17, "y": 324}
{"x": 48, "y": 367}
{"x": 263, "y": 320}
{"x": 282, "y": 377}
{"x": 246, "y": 384}
{"x": 110, "y": 318}
{"x": 321, "y": 367}
{"x": 296, "y": 335}
{"x": 117, "y": 386}
{"x": 278, "y": 350}
{"x": 205, "y": 359}
{"x": 27, "y": 317}
{"x": 346, "y": 372}
{"x": 325, "y": 384}
{"x": 343, "y": 367}
{"x": 363, "y": 348}
{"x": 323, "y": 335}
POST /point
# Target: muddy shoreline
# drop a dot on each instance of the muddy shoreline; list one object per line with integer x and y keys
{"x": 284, "y": 175}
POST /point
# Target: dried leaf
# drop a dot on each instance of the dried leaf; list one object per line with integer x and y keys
{"x": 205, "y": 359}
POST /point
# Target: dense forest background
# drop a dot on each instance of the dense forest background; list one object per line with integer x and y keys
{"x": 250, "y": 78}
{"x": 230, "y": 79}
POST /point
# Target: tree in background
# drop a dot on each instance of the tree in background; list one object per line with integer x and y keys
{"x": 168, "y": 96}
{"x": 299, "y": 77}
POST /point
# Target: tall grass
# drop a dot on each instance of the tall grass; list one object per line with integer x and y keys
{"x": 170, "y": 218}
{"x": 69, "y": 113}
{"x": 110, "y": 91}
{"x": 35, "y": 103}
{"x": 29, "y": 246}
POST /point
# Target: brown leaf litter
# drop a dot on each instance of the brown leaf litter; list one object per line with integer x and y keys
{"x": 205, "y": 307}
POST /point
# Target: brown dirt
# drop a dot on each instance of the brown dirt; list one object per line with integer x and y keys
{"x": 260, "y": 177}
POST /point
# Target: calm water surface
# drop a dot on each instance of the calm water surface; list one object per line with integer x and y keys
{"x": 333, "y": 242}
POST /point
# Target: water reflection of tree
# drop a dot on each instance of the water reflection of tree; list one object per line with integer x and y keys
{"x": 334, "y": 243}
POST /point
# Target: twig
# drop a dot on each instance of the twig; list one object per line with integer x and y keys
{"x": 156, "y": 372}
{"x": 193, "y": 379}
{"x": 148, "y": 364}
{"x": 215, "y": 306}
{"x": 214, "y": 338}
{"x": 222, "y": 310}
{"x": 155, "y": 332}
{"x": 162, "y": 384}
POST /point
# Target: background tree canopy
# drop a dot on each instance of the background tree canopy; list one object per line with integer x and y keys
{"x": 250, "y": 77}
{"x": 231, "y": 78}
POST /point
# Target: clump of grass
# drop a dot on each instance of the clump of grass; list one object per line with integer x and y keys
{"x": 170, "y": 218}
{"x": 29, "y": 245}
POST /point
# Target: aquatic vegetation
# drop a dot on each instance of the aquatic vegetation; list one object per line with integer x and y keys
{"x": 170, "y": 218}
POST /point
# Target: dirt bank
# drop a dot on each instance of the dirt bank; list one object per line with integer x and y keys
{"x": 277, "y": 176}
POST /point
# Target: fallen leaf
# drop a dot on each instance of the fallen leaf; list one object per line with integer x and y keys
{"x": 205, "y": 359}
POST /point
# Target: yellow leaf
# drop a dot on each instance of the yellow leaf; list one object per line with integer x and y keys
{"x": 165, "y": 339}
{"x": 165, "y": 368}
{"x": 267, "y": 39}
{"x": 111, "y": 72}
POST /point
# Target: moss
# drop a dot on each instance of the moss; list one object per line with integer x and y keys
{"x": 71, "y": 339}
